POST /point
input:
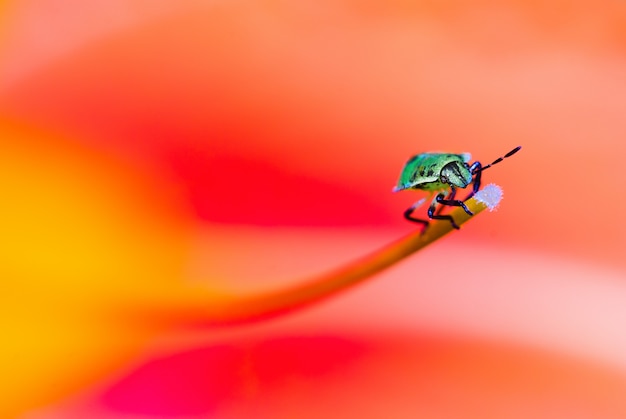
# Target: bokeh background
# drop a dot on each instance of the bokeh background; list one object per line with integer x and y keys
{"x": 246, "y": 145}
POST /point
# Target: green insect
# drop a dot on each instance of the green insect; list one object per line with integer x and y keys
{"x": 442, "y": 173}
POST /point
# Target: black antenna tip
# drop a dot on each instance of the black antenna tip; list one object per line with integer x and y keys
{"x": 515, "y": 150}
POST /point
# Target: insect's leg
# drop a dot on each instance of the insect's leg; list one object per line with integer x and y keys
{"x": 448, "y": 195}
{"x": 409, "y": 211}
{"x": 452, "y": 202}
{"x": 476, "y": 170}
{"x": 431, "y": 211}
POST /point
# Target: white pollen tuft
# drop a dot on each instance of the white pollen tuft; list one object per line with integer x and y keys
{"x": 490, "y": 195}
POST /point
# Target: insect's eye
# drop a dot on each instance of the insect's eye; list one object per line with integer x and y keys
{"x": 443, "y": 178}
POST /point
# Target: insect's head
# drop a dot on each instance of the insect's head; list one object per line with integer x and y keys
{"x": 457, "y": 174}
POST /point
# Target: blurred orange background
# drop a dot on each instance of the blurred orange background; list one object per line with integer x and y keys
{"x": 246, "y": 145}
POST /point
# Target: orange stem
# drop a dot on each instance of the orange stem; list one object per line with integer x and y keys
{"x": 196, "y": 305}
{"x": 243, "y": 308}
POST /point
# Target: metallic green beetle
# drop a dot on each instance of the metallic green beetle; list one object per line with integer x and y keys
{"x": 443, "y": 173}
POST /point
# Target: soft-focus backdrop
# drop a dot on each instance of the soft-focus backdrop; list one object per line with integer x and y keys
{"x": 249, "y": 144}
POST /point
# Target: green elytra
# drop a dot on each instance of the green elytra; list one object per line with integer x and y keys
{"x": 435, "y": 171}
{"x": 444, "y": 172}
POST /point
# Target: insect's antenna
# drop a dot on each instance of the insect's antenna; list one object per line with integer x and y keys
{"x": 498, "y": 160}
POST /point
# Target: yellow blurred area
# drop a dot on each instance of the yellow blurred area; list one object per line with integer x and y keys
{"x": 81, "y": 234}
{"x": 49, "y": 350}
{"x": 83, "y": 218}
